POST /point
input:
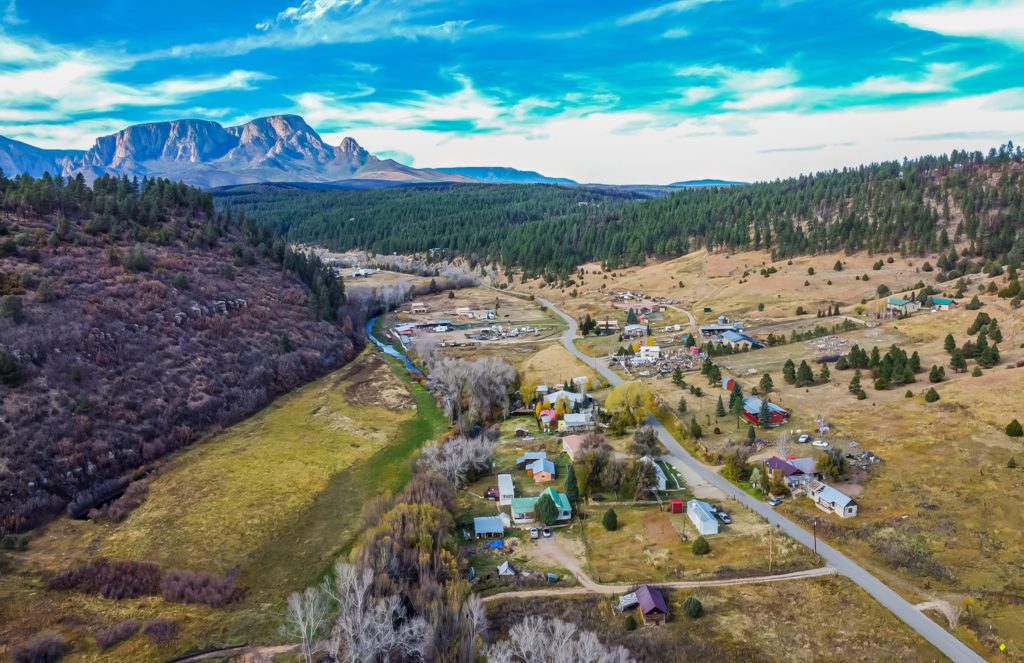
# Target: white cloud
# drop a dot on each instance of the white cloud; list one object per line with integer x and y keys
{"x": 676, "y": 7}
{"x": 749, "y": 145}
{"x": 675, "y": 33}
{"x": 10, "y": 16}
{"x": 316, "y": 22}
{"x": 983, "y": 19}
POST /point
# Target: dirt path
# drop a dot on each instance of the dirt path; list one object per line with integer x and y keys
{"x": 951, "y": 613}
{"x": 553, "y": 550}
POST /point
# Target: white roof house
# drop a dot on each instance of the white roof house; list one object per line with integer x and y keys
{"x": 701, "y": 516}
{"x": 572, "y": 423}
{"x": 635, "y": 330}
{"x": 570, "y": 396}
{"x": 831, "y": 500}
{"x": 650, "y": 352}
{"x": 662, "y": 480}
{"x": 506, "y": 489}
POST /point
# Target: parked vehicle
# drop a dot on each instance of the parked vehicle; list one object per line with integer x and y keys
{"x": 724, "y": 517}
{"x": 534, "y": 534}
{"x": 775, "y": 501}
{"x": 492, "y": 493}
{"x": 820, "y": 443}
{"x": 804, "y": 439}
{"x": 546, "y": 532}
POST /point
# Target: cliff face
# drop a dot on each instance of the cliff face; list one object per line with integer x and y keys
{"x": 279, "y": 148}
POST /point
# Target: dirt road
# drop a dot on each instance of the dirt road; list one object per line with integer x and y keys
{"x": 552, "y": 550}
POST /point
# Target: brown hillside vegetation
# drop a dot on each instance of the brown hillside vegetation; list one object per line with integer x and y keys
{"x": 124, "y": 336}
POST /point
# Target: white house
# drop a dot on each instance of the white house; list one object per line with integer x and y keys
{"x": 575, "y": 423}
{"x": 830, "y": 500}
{"x": 572, "y": 397}
{"x": 702, "y": 518}
{"x": 418, "y": 307}
{"x": 633, "y": 331}
{"x": 662, "y": 480}
{"x": 651, "y": 353}
{"x": 506, "y": 490}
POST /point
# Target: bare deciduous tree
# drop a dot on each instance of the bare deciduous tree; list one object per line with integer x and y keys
{"x": 307, "y": 612}
{"x": 540, "y": 640}
{"x": 368, "y": 627}
{"x": 456, "y": 457}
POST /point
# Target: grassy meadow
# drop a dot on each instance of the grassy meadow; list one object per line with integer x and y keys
{"x": 275, "y": 498}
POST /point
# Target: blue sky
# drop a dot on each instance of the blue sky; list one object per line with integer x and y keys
{"x": 651, "y": 91}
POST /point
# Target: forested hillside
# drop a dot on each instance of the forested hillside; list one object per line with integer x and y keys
{"x": 133, "y": 320}
{"x": 914, "y": 206}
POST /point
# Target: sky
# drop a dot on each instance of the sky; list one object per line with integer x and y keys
{"x": 634, "y": 91}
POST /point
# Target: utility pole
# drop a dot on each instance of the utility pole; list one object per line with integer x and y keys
{"x": 814, "y": 524}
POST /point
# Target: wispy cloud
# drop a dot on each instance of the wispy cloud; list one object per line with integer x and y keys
{"x": 984, "y": 19}
{"x": 321, "y": 22}
{"x": 676, "y": 7}
{"x": 675, "y": 33}
{"x": 10, "y": 16}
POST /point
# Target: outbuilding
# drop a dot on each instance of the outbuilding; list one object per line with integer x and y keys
{"x": 702, "y": 517}
{"x": 506, "y": 489}
{"x": 488, "y": 526}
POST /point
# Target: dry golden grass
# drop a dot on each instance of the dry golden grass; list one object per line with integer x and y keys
{"x": 647, "y": 547}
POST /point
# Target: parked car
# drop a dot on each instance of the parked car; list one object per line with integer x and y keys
{"x": 724, "y": 517}
{"x": 804, "y": 439}
{"x": 492, "y": 493}
{"x": 820, "y": 443}
{"x": 775, "y": 501}
{"x": 546, "y": 532}
{"x": 534, "y": 534}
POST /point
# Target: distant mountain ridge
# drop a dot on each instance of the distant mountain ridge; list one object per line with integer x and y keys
{"x": 279, "y": 148}
{"x": 696, "y": 184}
{"x": 504, "y": 175}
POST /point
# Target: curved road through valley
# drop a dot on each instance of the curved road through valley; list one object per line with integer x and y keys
{"x": 942, "y": 639}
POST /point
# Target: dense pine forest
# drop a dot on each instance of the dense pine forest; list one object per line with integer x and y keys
{"x": 134, "y": 319}
{"x": 969, "y": 199}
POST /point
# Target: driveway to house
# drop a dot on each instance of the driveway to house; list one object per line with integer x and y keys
{"x": 946, "y": 642}
{"x": 552, "y": 550}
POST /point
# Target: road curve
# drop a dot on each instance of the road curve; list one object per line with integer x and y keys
{"x": 942, "y": 639}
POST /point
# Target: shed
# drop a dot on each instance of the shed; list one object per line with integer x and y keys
{"x": 485, "y": 526}
{"x": 701, "y": 516}
{"x": 528, "y": 458}
{"x": 677, "y": 506}
{"x": 943, "y": 303}
{"x": 506, "y": 489}
{"x": 651, "y": 604}
{"x": 727, "y": 383}
{"x": 506, "y": 569}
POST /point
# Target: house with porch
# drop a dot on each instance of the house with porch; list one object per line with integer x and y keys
{"x": 831, "y": 500}
{"x": 576, "y": 422}
{"x": 943, "y": 304}
{"x": 524, "y": 508}
{"x": 901, "y": 306}
{"x": 752, "y": 410}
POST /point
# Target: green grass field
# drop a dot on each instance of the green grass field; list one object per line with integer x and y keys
{"x": 277, "y": 497}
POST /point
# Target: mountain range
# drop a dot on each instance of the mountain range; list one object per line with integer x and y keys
{"x": 280, "y": 148}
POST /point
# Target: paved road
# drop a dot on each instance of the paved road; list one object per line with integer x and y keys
{"x": 943, "y": 640}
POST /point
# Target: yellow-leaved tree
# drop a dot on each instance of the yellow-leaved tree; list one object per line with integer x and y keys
{"x": 632, "y": 400}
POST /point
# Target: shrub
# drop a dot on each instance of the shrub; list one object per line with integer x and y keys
{"x": 111, "y": 579}
{"x": 630, "y": 623}
{"x": 931, "y": 395}
{"x": 692, "y": 607}
{"x": 43, "y": 648}
{"x": 701, "y": 546}
{"x": 800, "y": 310}
{"x": 976, "y": 373}
{"x": 909, "y": 394}
{"x": 195, "y": 587}
{"x": 119, "y": 510}
{"x": 161, "y": 631}
{"x": 1013, "y": 429}
{"x": 810, "y": 271}
{"x": 1012, "y": 463}
{"x": 13, "y": 308}
{"x": 610, "y": 520}
{"x": 116, "y": 634}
